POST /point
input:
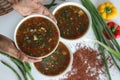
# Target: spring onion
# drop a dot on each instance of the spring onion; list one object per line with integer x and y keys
{"x": 12, "y": 69}
{"x": 24, "y": 67}
{"x": 98, "y": 26}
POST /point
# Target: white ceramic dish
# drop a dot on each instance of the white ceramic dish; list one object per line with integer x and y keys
{"x": 37, "y": 15}
{"x": 81, "y": 7}
{"x": 68, "y": 68}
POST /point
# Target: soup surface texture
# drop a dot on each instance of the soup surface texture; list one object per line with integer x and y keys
{"x": 55, "y": 63}
{"x": 72, "y": 22}
{"x": 37, "y": 36}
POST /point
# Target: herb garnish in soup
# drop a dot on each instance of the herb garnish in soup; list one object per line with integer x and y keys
{"x": 37, "y": 36}
{"x": 55, "y": 63}
{"x": 72, "y": 22}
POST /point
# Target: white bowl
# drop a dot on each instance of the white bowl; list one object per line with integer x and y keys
{"x": 77, "y": 5}
{"x": 42, "y": 16}
{"x": 68, "y": 68}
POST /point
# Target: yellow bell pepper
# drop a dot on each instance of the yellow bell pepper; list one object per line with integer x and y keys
{"x": 107, "y": 10}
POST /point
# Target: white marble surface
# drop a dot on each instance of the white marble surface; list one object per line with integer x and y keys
{"x": 8, "y": 24}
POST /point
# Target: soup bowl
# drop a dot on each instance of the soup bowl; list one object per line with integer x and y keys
{"x": 37, "y": 36}
{"x": 57, "y": 64}
{"x": 73, "y": 20}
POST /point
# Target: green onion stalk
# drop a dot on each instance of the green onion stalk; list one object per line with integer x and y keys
{"x": 51, "y": 4}
{"x": 98, "y": 26}
{"x": 7, "y": 65}
{"x": 24, "y": 67}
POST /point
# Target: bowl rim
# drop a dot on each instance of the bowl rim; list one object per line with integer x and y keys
{"x": 31, "y": 16}
{"x": 80, "y": 6}
{"x": 68, "y": 68}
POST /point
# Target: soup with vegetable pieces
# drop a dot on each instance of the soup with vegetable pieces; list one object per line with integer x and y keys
{"x": 37, "y": 36}
{"x": 55, "y": 63}
{"x": 72, "y": 22}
